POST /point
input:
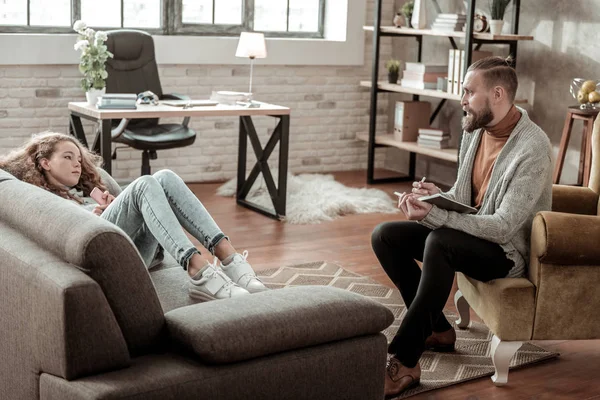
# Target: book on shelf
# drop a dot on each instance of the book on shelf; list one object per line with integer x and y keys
{"x": 451, "y": 17}
{"x": 434, "y": 144}
{"x": 421, "y": 67}
{"x": 418, "y": 84}
{"x": 423, "y": 76}
{"x": 431, "y": 131}
{"x": 458, "y": 69}
{"x": 433, "y": 137}
{"x": 409, "y": 117}
{"x": 447, "y": 27}
{"x": 449, "y": 22}
{"x": 450, "y": 86}
{"x": 456, "y": 63}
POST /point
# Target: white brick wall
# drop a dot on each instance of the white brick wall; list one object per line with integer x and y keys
{"x": 328, "y": 109}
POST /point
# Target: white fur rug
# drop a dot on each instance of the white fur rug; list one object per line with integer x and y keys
{"x": 314, "y": 198}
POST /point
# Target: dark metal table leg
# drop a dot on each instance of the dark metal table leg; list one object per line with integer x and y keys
{"x": 280, "y": 135}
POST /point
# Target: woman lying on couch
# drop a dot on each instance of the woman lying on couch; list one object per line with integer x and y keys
{"x": 151, "y": 210}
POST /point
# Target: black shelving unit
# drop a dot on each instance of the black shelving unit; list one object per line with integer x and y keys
{"x": 472, "y": 42}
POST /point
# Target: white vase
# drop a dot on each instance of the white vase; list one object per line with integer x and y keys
{"x": 93, "y": 94}
{"x": 419, "y": 16}
{"x": 496, "y": 26}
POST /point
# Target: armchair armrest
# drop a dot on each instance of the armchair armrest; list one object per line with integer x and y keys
{"x": 565, "y": 239}
{"x": 246, "y": 327}
{"x": 574, "y": 200}
{"x": 177, "y": 96}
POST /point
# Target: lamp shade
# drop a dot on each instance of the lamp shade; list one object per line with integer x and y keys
{"x": 251, "y": 45}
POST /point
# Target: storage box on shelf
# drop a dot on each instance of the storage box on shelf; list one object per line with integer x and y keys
{"x": 470, "y": 38}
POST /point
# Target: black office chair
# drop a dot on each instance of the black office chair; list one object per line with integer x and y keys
{"x": 133, "y": 70}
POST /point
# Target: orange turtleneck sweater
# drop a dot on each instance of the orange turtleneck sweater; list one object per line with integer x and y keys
{"x": 492, "y": 141}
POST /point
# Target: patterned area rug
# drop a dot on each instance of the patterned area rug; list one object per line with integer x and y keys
{"x": 471, "y": 360}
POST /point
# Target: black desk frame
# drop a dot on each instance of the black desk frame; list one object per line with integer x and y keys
{"x": 102, "y": 146}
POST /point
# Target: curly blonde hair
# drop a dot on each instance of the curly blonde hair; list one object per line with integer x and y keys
{"x": 24, "y": 164}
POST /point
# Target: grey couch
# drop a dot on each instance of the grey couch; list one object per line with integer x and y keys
{"x": 83, "y": 318}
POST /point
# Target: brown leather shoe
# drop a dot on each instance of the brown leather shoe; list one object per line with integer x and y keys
{"x": 442, "y": 342}
{"x": 399, "y": 378}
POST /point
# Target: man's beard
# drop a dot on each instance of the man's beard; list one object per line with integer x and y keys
{"x": 478, "y": 119}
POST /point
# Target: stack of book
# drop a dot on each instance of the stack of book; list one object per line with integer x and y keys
{"x": 449, "y": 22}
{"x": 230, "y": 98}
{"x": 434, "y": 138}
{"x": 422, "y": 76}
{"x": 121, "y": 101}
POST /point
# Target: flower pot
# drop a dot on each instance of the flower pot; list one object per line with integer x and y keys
{"x": 393, "y": 77}
{"x": 407, "y": 18}
{"x": 496, "y": 26}
{"x": 93, "y": 94}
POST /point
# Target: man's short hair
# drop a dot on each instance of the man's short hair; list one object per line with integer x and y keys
{"x": 498, "y": 71}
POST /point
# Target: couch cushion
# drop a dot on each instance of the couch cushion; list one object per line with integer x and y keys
{"x": 349, "y": 369}
{"x": 270, "y": 322}
{"x": 506, "y": 305}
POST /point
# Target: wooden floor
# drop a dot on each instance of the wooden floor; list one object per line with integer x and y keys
{"x": 574, "y": 375}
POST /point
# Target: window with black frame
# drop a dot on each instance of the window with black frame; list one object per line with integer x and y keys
{"x": 276, "y": 18}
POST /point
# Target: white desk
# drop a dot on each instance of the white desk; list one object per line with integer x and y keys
{"x": 102, "y": 141}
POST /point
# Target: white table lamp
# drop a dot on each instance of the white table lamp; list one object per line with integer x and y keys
{"x": 251, "y": 45}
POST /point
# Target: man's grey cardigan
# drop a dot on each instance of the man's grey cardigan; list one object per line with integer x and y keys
{"x": 520, "y": 186}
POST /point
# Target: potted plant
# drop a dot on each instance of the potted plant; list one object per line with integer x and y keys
{"x": 92, "y": 62}
{"x": 407, "y": 11}
{"x": 497, "y": 9}
{"x": 393, "y": 67}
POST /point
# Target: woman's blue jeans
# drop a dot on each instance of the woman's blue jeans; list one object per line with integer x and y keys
{"x": 153, "y": 209}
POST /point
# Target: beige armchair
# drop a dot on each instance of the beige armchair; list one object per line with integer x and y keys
{"x": 559, "y": 298}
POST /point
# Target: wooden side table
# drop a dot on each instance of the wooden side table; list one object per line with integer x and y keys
{"x": 585, "y": 156}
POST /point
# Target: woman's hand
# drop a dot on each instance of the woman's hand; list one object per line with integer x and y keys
{"x": 99, "y": 209}
{"x": 424, "y": 189}
{"x": 108, "y": 198}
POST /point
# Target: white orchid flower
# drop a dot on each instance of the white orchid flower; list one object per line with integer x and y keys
{"x": 89, "y": 33}
{"x": 101, "y": 36}
{"x": 79, "y": 25}
{"x": 81, "y": 45}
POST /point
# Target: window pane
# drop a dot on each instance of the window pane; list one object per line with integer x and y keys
{"x": 197, "y": 12}
{"x": 228, "y": 12}
{"x": 105, "y": 13}
{"x": 45, "y": 13}
{"x": 141, "y": 13}
{"x": 270, "y": 15}
{"x": 304, "y": 15}
{"x": 13, "y": 12}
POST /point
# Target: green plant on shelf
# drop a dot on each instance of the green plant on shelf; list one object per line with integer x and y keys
{"x": 498, "y": 8}
{"x": 393, "y": 66}
{"x": 407, "y": 11}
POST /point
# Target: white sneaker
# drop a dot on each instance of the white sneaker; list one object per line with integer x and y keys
{"x": 240, "y": 272}
{"x": 210, "y": 283}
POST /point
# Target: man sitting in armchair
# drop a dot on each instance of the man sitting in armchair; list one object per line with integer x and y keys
{"x": 506, "y": 173}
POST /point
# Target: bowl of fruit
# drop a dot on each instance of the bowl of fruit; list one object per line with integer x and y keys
{"x": 586, "y": 92}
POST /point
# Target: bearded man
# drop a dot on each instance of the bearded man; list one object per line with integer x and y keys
{"x": 505, "y": 171}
